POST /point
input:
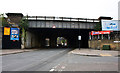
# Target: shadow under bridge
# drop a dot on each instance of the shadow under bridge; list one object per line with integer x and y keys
{"x": 56, "y": 38}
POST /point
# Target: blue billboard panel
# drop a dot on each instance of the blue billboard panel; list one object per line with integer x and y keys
{"x": 14, "y": 34}
{"x": 112, "y": 25}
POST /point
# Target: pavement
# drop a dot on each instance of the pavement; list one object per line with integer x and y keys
{"x": 14, "y": 51}
{"x": 93, "y": 52}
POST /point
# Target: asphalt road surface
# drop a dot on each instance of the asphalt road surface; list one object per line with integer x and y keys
{"x": 57, "y": 60}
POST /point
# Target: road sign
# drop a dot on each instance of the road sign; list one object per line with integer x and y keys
{"x": 53, "y": 26}
{"x": 79, "y": 37}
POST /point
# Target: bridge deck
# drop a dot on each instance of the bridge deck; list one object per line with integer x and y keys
{"x": 61, "y": 22}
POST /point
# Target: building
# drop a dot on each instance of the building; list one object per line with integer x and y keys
{"x": 119, "y": 10}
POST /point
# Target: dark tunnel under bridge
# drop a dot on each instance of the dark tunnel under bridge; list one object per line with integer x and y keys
{"x": 36, "y": 37}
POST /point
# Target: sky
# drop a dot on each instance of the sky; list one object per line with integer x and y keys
{"x": 62, "y": 8}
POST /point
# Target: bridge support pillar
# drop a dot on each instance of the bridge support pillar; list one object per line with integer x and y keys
{"x": 53, "y": 41}
{"x": 28, "y": 40}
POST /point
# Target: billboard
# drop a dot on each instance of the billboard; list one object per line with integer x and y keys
{"x": 14, "y": 34}
{"x": 6, "y": 31}
{"x": 112, "y": 25}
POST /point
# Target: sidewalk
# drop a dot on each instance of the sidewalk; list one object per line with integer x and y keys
{"x": 14, "y": 51}
{"x": 92, "y": 52}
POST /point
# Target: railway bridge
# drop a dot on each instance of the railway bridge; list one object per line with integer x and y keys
{"x": 45, "y": 30}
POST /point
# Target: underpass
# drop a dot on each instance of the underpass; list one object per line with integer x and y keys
{"x": 47, "y": 38}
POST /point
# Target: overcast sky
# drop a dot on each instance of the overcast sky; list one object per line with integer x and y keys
{"x": 62, "y": 8}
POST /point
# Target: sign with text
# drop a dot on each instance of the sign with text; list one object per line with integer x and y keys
{"x": 112, "y": 25}
{"x": 79, "y": 37}
{"x": 14, "y": 34}
{"x": 100, "y": 32}
{"x": 53, "y": 26}
{"x": 6, "y": 31}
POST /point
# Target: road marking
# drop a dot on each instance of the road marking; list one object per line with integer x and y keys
{"x": 63, "y": 67}
{"x": 56, "y": 66}
{"x": 105, "y": 55}
{"x": 52, "y": 70}
{"x": 59, "y": 70}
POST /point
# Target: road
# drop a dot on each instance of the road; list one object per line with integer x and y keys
{"x": 40, "y": 60}
{"x": 57, "y": 60}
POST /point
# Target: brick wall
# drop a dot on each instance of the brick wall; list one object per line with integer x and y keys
{"x": 98, "y": 44}
{"x": 15, "y": 19}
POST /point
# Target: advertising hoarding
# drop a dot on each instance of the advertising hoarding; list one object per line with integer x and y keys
{"x": 112, "y": 25}
{"x": 14, "y": 34}
{"x": 6, "y": 31}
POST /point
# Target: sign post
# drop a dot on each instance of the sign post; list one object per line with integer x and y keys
{"x": 79, "y": 38}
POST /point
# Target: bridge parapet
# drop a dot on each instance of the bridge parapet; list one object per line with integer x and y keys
{"x": 60, "y": 18}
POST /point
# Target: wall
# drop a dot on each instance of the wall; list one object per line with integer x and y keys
{"x": 13, "y": 19}
{"x": 28, "y": 40}
{"x": 0, "y": 38}
{"x": 31, "y": 40}
{"x": 98, "y": 44}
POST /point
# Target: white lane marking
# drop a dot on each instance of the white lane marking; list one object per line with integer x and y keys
{"x": 63, "y": 67}
{"x": 52, "y": 69}
{"x": 56, "y": 66}
{"x": 59, "y": 70}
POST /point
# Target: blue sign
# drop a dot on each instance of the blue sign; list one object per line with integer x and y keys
{"x": 112, "y": 25}
{"x": 14, "y": 34}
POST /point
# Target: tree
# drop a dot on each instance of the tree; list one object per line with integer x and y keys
{"x": 4, "y": 20}
{"x": 98, "y": 27}
{"x": 23, "y": 26}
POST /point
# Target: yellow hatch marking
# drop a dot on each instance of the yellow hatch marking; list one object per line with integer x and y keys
{"x": 105, "y": 55}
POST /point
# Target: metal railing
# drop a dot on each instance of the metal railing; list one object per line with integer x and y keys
{"x": 61, "y": 18}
